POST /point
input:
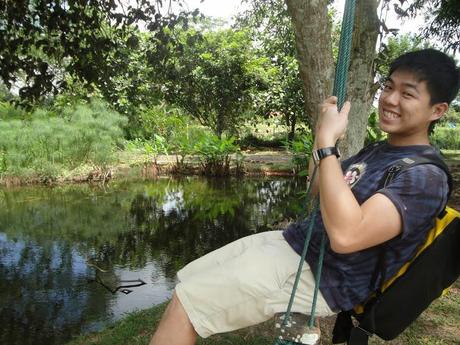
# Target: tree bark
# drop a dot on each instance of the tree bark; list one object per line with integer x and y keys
{"x": 361, "y": 86}
{"x": 220, "y": 124}
{"x": 313, "y": 42}
{"x": 292, "y": 119}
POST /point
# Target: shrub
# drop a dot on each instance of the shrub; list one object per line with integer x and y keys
{"x": 162, "y": 120}
{"x": 251, "y": 140}
{"x": 184, "y": 142}
{"x": 451, "y": 118}
{"x": 150, "y": 148}
{"x": 446, "y": 138}
{"x": 301, "y": 148}
{"x": 373, "y": 133}
{"x": 214, "y": 153}
{"x": 9, "y": 112}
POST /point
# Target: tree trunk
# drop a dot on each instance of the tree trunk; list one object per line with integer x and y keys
{"x": 361, "y": 87}
{"x": 291, "y": 124}
{"x": 313, "y": 42}
{"x": 220, "y": 124}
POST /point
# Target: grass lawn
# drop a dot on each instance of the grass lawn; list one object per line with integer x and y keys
{"x": 438, "y": 325}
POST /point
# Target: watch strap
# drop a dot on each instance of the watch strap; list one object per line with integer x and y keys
{"x": 325, "y": 152}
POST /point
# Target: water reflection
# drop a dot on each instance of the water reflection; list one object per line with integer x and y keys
{"x": 52, "y": 240}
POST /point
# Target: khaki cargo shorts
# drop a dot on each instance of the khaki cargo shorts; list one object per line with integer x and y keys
{"x": 245, "y": 283}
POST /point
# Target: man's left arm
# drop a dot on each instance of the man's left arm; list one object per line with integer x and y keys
{"x": 350, "y": 227}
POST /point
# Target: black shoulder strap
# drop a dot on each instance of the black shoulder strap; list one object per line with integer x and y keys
{"x": 410, "y": 162}
{"x": 397, "y": 168}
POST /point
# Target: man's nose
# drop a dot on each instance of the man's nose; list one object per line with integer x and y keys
{"x": 392, "y": 97}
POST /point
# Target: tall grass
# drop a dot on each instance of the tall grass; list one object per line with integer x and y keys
{"x": 47, "y": 145}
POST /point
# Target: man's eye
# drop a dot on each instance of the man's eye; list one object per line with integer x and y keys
{"x": 408, "y": 95}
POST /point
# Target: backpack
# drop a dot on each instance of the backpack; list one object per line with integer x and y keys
{"x": 437, "y": 258}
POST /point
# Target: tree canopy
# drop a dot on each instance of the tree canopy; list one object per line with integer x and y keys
{"x": 442, "y": 19}
{"x": 44, "y": 42}
{"x": 137, "y": 54}
{"x": 271, "y": 27}
{"x": 214, "y": 76}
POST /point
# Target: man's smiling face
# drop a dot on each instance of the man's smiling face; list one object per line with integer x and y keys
{"x": 405, "y": 110}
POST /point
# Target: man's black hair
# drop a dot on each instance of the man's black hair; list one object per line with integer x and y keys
{"x": 437, "y": 69}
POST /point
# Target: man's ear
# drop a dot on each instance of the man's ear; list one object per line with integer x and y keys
{"x": 438, "y": 110}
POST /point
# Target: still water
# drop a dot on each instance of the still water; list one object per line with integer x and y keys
{"x": 75, "y": 258}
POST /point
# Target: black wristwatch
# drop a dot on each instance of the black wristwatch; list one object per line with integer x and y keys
{"x": 325, "y": 152}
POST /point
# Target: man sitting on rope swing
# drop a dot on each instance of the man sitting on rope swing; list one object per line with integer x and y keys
{"x": 248, "y": 281}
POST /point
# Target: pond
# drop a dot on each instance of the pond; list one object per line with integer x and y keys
{"x": 75, "y": 258}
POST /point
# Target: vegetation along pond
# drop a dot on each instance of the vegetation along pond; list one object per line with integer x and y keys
{"x": 75, "y": 258}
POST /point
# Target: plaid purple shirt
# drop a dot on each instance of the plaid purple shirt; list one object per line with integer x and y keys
{"x": 418, "y": 193}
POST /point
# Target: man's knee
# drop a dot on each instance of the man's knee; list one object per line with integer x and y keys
{"x": 175, "y": 306}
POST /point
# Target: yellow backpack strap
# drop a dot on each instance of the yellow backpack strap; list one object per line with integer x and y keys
{"x": 449, "y": 215}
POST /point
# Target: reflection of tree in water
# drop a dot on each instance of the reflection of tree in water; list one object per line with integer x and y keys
{"x": 203, "y": 216}
{"x": 44, "y": 293}
{"x": 50, "y": 233}
{"x": 47, "y": 236}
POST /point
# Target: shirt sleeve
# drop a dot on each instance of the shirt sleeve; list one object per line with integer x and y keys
{"x": 419, "y": 194}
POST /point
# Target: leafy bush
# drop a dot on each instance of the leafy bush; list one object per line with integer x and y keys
{"x": 451, "y": 118}
{"x": 47, "y": 145}
{"x": 178, "y": 130}
{"x": 162, "y": 120}
{"x": 446, "y": 134}
{"x": 301, "y": 148}
{"x": 9, "y": 112}
{"x": 374, "y": 133}
{"x": 446, "y": 138}
{"x": 214, "y": 153}
{"x": 252, "y": 140}
{"x": 183, "y": 144}
{"x": 150, "y": 148}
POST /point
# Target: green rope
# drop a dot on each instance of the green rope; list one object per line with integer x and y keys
{"x": 304, "y": 251}
{"x": 319, "y": 270}
{"x": 343, "y": 61}
{"x": 340, "y": 89}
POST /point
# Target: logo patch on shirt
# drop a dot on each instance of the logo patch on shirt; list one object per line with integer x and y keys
{"x": 354, "y": 173}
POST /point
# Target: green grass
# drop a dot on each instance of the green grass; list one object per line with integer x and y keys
{"x": 134, "y": 329}
{"x": 438, "y": 325}
{"x": 137, "y": 329}
{"x": 452, "y": 156}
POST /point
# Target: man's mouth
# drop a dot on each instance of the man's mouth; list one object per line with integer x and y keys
{"x": 390, "y": 115}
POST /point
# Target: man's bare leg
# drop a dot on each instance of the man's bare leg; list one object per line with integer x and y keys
{"x": 175, "y": 327}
